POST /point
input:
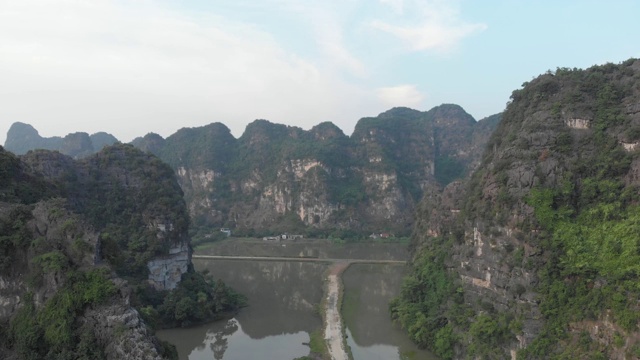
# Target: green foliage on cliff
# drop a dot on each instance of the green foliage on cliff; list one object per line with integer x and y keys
{"x": 18, "y": 184}
{"x": 126, "y": 196}
{"x": 115, "y": 210}
{"x": 14, "y": 237}
{"x": 431, "y": 309}
{"x": 50, "y": 331}
{"x": 555, "y": 203}
{"x": 197, "y": 299}
{"x": 408, "y": 147}
{"x": 421, "y": 307}
{"x": 448, "y": 169}
{"x": 594, "y": 262}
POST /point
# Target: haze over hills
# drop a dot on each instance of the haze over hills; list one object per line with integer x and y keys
{"x": 525, "y": 242}
{"x": 536, "y": 254}
{"x": 23, "y": 137}
{"x": 278, "y": 178}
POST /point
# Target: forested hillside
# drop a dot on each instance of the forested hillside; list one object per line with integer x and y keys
{"x": 94, "y": 251}
{"x": 277, "y": 178}
{"x": 536, "y": 255}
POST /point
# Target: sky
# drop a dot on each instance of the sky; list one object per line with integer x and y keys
{"x": 139, "y": 66}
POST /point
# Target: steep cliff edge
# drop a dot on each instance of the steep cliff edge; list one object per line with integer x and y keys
{"x": 280, "y": 178}
{"x": 536, "y": 256}
{"x": 70, "y": 233}
{"x": 133, "y": 199}
{"x": 277, "y": 178}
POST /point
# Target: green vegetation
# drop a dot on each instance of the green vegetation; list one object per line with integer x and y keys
{"x": 401, "y": 143}
{"x": 590, "y": 226}
{"x": 593, "y": 265}
{"x": 448, "y": 169}
{"x": 14, "y": 237}
{"x": 421, "y": 307}
{"x": 18, "y": 185}
{"x": 125, "y": 213}
{"x": 197, "y": 299}
{"x": 129, "y": 206}
{"x": 557, "y": 193}
{"x": 51, "y": 331}
{"x": 431, "y": 309}
{"x": 317, "y": 343}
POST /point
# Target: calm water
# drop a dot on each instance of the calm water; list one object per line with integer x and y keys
{"x": 365, "y": 311}
{"x": 281, "y": 313}
{"x": 283, "y": 297}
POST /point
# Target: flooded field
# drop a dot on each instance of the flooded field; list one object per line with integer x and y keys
{"x": 284, "y": 298}
{"x": 365, "y": 310}
{"x": 323, "y": 249}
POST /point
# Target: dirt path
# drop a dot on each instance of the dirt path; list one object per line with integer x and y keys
{"x": 333, "y": 322}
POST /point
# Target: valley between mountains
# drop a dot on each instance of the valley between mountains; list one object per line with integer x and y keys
{"x": 522, "y": 228}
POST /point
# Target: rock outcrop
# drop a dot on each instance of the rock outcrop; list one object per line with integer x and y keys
{"x": 68, "y": 230}
{"x": 527, "y": 241}
{"x": 165, "y": 272}
{"x": 278, "y": 178}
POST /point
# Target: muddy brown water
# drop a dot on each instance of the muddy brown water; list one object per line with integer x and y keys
{"x": 283, "y": 300}
{"x": 322, "y": 249}
{"x": 371, "y": 334}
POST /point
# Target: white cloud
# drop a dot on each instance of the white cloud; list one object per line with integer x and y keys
{"x": 401, "y": 95}
{"x": 129, "y": 67}
{"x": 327, "y": 19}
{"x": 435, "y": 25}
{"x": 133, "y": 67}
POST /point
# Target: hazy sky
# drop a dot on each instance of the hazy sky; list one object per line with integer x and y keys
{"x": 132, "y": 67}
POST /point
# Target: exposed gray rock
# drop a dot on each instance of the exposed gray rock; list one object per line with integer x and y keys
{"x": 165, "y": 272}
{"x": 120, "y": 330}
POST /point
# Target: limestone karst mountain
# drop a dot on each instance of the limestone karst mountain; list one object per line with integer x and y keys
{"x": 71, "y": 232}
{"x": 23, "y": 137}
{"x": 277, "y": 178}
{"x": 537, "y": 253}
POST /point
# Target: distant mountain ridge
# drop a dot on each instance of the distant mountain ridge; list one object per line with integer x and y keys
{"x": 23, "y": 137}
{"x": 277, "y": 178}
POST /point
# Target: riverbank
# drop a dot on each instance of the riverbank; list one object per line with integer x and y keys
{"x": 333, "y": 331}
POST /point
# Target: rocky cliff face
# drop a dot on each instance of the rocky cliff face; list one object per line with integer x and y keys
{"x": 65, "y": 225}
{"x": 281, "y": 178}
{"x": 63, "y": 249}
{"x": 166, "y": 271}
{"x": 130, "y": 196}
{"x": 534, "y": 242}
{"x": 277, "y": 178}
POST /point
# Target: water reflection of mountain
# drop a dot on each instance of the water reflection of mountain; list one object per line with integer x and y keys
{"x": 368, "y": 290}
{"x": 214, "y": 335}
{"x": 282, "y": 295}
{"x": 226, "y": 339}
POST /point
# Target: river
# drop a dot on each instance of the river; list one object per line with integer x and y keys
{"x": 284, "y": 299}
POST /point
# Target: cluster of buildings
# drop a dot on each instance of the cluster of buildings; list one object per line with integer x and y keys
{"x": 283, "y": 237}
{"x": 381, "y": 236}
